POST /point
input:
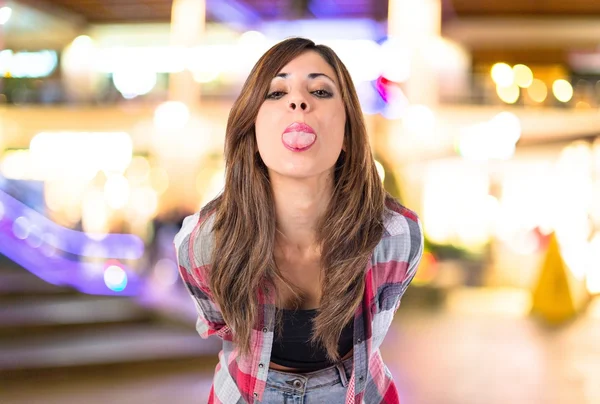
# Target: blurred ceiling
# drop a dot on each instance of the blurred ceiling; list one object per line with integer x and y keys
{"x": 484, "y": 26}
{"x": 102, "y": 11}
{"x": 97, "y": 11}
{"x": 527, "y": 8}
{"x": 111, "y": 11}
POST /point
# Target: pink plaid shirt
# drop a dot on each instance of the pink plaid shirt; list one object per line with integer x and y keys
{"x": 241, "y": 379}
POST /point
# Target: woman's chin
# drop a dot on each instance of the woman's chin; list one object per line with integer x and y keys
{"x": 297, "y": 171}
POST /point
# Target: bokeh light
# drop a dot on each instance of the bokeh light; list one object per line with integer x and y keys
{"x": 166, "y": 272}
{"x": 94, "y": 214}
{"x": 523, "y": 76}
{"x": 419, "y": 119}
{"x": 562, "y": 90}
{"x": 143, "y": 202}
{"x": 132, "y": 83}
{"x": 159, "y": 180}
{"x": 494, "y": 139}
{"x": 537, "y": 91}
{"x": 21, "y": 228}
{"x": 509, "y": 94}
{"x": 116, "y": 191}
{"x": 395, "y": 60}
{"x": 171, "y": 115}
{"x": 5, "y": 14}
{"x": 82, "y": 41}
{"x": 115, "y": 278}
{"x": 35, "y": 237}
{"x": 502, "y": 74}
{"x": 138, "y": 171}
{"x": 593, "y": 273}
{"x": 49, "y": 244}
{"x": 380, "y": 170}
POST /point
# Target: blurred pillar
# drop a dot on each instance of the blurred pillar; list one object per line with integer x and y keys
{"x": 188, "y": 20}
{"x": 79, "y": 77}
{"x": 417, "y": 24}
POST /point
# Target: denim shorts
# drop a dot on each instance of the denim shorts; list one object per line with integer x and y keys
{"x": 327, "y": 385}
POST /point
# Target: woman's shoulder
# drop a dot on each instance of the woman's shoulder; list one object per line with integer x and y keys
{"x": 399, "y": 220}
{"x": 397, "y": 255}
{"x": 195, "y": 239}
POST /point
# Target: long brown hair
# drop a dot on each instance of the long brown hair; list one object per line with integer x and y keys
{"x": 243, "y": 263}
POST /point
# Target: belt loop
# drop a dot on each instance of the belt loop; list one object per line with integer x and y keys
{"x": 342, "y": 371}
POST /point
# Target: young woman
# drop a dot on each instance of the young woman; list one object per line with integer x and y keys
{"x": 299, "y": 265}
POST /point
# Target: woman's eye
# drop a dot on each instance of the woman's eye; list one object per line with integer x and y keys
{"x": 322, "y": 93}
{"x": 275, "y": 95}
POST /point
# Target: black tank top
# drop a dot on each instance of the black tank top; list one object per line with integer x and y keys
{"x": 293, "y": 349}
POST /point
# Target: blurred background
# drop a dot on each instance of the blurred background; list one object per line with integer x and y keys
{"x": 484, "y": 118}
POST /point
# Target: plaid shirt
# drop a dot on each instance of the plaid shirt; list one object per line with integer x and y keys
{"x": 241, "y": 379}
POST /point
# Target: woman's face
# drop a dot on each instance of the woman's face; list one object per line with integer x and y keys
{"x": 300, "y": 125}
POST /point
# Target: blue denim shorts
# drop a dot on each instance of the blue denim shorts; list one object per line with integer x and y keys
{"x": 327, "y": 385}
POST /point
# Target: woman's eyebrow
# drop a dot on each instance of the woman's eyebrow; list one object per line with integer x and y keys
{"x": 310, "y": 76}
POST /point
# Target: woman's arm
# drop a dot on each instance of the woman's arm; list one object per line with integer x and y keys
{"x": 192, "y": 245}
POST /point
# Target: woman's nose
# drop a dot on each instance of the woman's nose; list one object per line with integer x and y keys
{"x": 293, "y": 105}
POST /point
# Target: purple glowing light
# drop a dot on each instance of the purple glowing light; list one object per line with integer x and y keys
{"x": 87, "y": 277}
{"x": 28, "y": 221}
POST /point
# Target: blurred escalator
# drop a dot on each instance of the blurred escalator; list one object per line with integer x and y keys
{"x": 51, "y": 331}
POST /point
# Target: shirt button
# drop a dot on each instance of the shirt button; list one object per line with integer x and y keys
{"x": 260, "y": 365}
{"x": 359, "y": 340}
{"x": 265, "y": 329}
{"x": 255, "y": 394}
{"x": 360, "y": 378}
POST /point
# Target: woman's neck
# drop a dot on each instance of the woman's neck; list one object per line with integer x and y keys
{"x": 299, "y": 204}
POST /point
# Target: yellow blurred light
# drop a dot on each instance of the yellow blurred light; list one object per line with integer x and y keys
{"x": 82, "y": 40}
{"x": 59, "y": 155}
{"x": 159, "y": 180}
{"x": 562, "y": 90}
{"x": 593, "y": 272}
{"x": 396, "y": 58}
{"x": 5, "y": 13}
{"x": 65, "y": 197}
{"x": 131, "y": 82}
{"x": 358, "y": 56}
{"x": 456, "y": 190}
{"x": 53, "y": 195}
{"x": 507, "y": 126}
{"x": 138, "y": 171}
{"x": 593, "y": 310}
{"x": 502, "y": 74}
{"x": 380, "y": 170}
{"x": 537, "y": 90}
{"x": 494, "y": 139}
{"x": 171, "y": 115}
{"x": 523, "y": 75}
{"x": 94, "y": 217}
{"x": 582, "y": 105}
{"x": 509, "y": 94}
{"x": 419, "y": 119}
{"x": 143, "y": 202}
{"x": 205, "y": 76}
{"x": 514, "y": 303}
{"x": 116, "y": 191}
{"x": 252, "y": 39}
{"x": 210, "y": 185}
{"x": 16, "y": 165}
